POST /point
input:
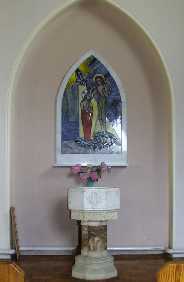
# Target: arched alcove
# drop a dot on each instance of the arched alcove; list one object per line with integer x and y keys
{"x": 39, "y": 190}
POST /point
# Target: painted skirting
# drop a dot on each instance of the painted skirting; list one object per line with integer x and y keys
{"x": 136, "y": 250}
{"x": 5, "y": 254}
{"x": 49, "y": 250}
{"x": 176, "y": 253}
{"x": 71, "y": 250}
{"x": 5, "y": 257}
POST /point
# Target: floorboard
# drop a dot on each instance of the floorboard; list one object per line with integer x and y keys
{"x": 133, "y": 268}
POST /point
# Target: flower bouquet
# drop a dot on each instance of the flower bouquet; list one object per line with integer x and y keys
{"x": 88, "y": 175}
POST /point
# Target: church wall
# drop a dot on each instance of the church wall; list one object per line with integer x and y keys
{"x": 39, "y": 190}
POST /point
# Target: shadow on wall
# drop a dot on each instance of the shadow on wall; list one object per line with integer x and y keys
{"x": 60, "y": 217}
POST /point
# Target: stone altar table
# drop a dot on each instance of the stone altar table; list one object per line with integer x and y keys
{"x": 93, "y": 207}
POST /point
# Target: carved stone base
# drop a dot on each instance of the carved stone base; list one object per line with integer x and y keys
{"x": 94, "y": 268}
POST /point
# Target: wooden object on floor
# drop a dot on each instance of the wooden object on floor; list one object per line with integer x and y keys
{"x": 171, "y": 272}
{"x": 14, "y": 233}
{"x": 10, "y": 272}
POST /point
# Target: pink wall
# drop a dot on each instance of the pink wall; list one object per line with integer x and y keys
{"x": 38, "y": 190}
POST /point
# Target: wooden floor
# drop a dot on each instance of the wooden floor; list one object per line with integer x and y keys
{"x": 58, "y": 268}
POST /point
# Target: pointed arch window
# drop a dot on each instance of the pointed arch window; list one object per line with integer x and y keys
{"x": 91, "y": 115}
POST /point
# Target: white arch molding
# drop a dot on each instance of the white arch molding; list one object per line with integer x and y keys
{"x": 6, "y": 128}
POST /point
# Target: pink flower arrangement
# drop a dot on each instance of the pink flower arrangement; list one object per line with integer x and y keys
{"x": 76, "y": 168}
{"x": 89, "y": 174}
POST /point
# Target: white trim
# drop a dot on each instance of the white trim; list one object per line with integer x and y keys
{"x": 176, "y": 253}
{"x": 136, "y": 250}
{"x": 5, "y": 257}
{"x": 4, "y": 176}
{"x": 119, "y": 159}
{"x": 47, "y": 250}
{"x": 71, "y": 250}
{"x": 6, "y": 253}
